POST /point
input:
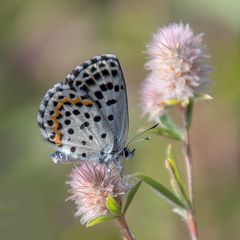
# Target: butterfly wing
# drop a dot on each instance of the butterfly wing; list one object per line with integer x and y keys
{"x": 72, "y": 122}
{"x": 102, "y": 79}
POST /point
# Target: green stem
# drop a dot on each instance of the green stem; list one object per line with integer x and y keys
{"x": 191, "y": 219}
{"x": 189, "y": 165}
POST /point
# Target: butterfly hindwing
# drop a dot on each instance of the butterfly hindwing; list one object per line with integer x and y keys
{"x": 72, "y": 122}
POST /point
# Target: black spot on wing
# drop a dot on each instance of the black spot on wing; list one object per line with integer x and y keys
{"x": 109, "y": 86}
{"x": 103, "y": 87}
{"x": 70, "y": 131}
{"x": 72, "y": 96}
{"x": 97, "y": 119}
{"x": 113, "y": 64}
{"x": 84, "y": 88}
{"x": 98, "y": 104}
{"x": 90, "y": 82}
{"x": 85, "y": 75}
{"x": 114, "y": 73}
{"x": 103, "y": 135}
{"x": 50, "y": 123}
{"x": 79, "y": 104}
{"x": 76, "y": 112}
{"x": 111, "y": 102}
{"x": 87, "y": 115}
{"x": 55, "y": 103}
{"x": 96, "y": 76}
{"x": 85, "y": 124}
{"x": 60, "y": 97}
{"x": 116, "y": 88}
{"x": 110, "y": 117}
{"x": 67, "y": 122}
{"x": 105, "y": 73}
{"x": 90, "y": 137}
{"x": 68, "y": 113}
{"x": 99, "y": 94}
{"x": 73, "y": 149}
{"x": 78, "y": 83}
{"x": 60, "y": 116}
{"x": 93, "y": 69}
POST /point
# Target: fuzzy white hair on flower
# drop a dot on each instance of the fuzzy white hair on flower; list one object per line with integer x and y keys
{"x": 91, "y": 185}
{"x": 178, "y": 68}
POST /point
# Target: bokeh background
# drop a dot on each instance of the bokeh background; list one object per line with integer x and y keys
{"x": 41, "y": 41}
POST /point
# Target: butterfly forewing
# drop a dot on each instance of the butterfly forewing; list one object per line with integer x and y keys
{"x": 103, "y": 81}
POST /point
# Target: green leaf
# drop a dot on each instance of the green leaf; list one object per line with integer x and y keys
{"x": 113, "y": 206}
{"x": 169, "y": 128}
{"x": 176, "y": 135}
{"x": 176, "y": 181}
{"x": 163, "y": 191}
{"x": 100, "y": 219}
{"x": 163, "y": 131}
{"x": 131, "y": 195}
{"x": 167, "y": 122}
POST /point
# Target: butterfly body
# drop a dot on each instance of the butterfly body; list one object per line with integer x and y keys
{"x": 86, "y": 117}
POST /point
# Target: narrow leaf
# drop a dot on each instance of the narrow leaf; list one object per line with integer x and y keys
{"x": 176, "y": 181}
{"x": 176, "y": 135}
{"x": 167, "y": 122}
{"x": 169, "y": 127}
{"x": 163, "y": 191}
{"x": 113, "y": 206}
{"x": 131, "y": 195}
{"x": 100, "y": 219}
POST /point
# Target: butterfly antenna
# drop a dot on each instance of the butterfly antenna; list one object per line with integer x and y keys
{"x": 140, "y": 134}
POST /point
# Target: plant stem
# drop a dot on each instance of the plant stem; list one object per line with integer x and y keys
{"x": 127, "y": 235}
{"x": 191, "y": 220}
{"x": 192, "y": 225}
{"x": 188, "y": 162}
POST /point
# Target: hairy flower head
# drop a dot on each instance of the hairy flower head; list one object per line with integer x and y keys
{"x": 90, "y": 185}
{"x": 178, "y": 68}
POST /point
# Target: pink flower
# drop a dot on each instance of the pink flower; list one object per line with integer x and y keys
{"x": 90, "y": 185}
{"x": 178, "y": 68}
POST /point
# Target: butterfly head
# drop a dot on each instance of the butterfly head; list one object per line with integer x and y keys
{"x": 127, "y": 153}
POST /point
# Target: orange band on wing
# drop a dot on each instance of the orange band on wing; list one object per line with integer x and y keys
{"x": 56, "y": 127}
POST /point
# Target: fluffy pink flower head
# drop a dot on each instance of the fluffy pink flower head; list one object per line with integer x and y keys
{"x": 178, "y": 68}
{"x": 90, "y": 185}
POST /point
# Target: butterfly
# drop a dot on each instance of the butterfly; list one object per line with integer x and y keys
{"x": 86, "y": 117}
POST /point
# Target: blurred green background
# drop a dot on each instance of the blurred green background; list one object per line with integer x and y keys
{"x": 41, "y": 41}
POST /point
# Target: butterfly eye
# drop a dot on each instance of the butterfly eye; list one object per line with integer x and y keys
{"x": 127, "y": 153}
